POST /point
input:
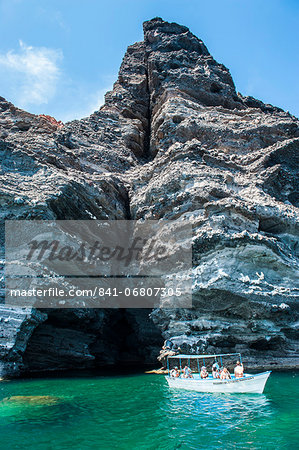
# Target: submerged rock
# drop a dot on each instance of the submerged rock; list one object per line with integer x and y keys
{"x": 174, "y": 139}
{"x": 38, "y": 400}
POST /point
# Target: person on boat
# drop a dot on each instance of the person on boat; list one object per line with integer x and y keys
{"x": 225, "y": 375}
{"x": 168, "y": 349}
{"x": 203, "y": 373}
{"x": 215, "y": 371}
{"x": 174, "y": 373}
{"x": 216, "y": 365}
{"x": 187, "y": 373}
{"x": 239, "y": 370}
{"x": 168, "y": 344}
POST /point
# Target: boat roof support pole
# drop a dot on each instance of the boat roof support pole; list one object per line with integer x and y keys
{"x": 198, "y": 366}
{"x": 168, "y": 366}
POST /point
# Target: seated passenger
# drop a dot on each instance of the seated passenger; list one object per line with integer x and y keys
{"x": 187, "y": 373}
{"x": 216, "y": 365}
{"x": 239, "y": 370}
{"x": 174, "y": 373}
{"x": 204, "y": 373}
{"x": 225, "y": 375}
{"x": 215, "y": 371}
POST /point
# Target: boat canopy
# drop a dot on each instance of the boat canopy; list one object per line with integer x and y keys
{"x": 202, "y": 356}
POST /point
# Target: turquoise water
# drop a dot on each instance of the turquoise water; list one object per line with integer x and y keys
{"x": 141, "y": 412}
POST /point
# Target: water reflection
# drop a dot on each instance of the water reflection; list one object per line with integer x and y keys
{"x": 218, "y": 416}
{"x": 220, "y": 403}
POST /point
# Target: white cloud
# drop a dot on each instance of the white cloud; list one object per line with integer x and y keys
{"x": 35, "y": 73}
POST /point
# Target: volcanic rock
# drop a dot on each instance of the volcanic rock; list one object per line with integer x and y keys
{"x": 174, "y": 140}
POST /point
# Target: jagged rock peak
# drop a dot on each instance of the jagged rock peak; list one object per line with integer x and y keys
{"x": 157, "y": 23}
{"x": 171, "y": 36}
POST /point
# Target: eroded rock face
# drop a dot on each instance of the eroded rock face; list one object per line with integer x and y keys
{"x": 174, "y": 140}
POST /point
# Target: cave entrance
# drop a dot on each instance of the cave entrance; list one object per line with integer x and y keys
{"x": 90, "y": 339}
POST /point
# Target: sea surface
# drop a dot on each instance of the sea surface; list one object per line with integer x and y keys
{"x": 139, "y": 411}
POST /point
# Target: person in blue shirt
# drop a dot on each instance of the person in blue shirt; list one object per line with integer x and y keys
{"x": 187, "y": 373}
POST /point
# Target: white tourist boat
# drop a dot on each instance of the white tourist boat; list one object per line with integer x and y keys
{"x": 249, "y": 383}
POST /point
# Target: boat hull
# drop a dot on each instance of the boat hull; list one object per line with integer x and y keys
{"x": 249, "y": 384}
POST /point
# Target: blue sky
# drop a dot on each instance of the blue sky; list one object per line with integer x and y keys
{"x": 59, "y": 57}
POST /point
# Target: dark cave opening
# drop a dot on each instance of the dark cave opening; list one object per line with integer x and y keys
{"x": 93, "y": 339}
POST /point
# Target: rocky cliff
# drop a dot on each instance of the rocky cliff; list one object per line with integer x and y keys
{"x": 173, "y": 139}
